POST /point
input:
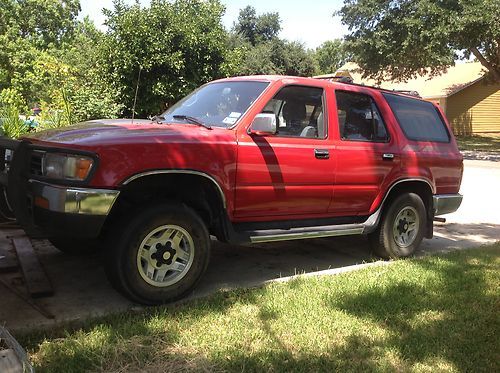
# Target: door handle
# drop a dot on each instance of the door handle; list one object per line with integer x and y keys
{"x": 322, "y": 153}
{"x": 388, "y": 156}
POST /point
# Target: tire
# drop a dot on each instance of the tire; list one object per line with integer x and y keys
{"x": 75, "y": 246}
{"x": 393, "y": 238}
{"x": 159, "y": 255}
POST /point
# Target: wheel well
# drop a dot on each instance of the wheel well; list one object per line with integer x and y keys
{"x": 424, "y": 191}
{"x": 196, "y": 191}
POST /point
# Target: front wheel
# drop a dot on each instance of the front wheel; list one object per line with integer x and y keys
{"x": 402, "y": 227}
{"x": 159, "y": 256}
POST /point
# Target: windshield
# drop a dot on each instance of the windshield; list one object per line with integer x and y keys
{"x": 216, "y": 104}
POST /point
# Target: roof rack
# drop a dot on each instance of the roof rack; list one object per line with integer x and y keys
{"x": 408, "y": 92}
{"x": 348, "y": 80}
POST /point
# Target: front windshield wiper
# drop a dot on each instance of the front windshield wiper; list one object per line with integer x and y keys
{"x": 193, "y": 120}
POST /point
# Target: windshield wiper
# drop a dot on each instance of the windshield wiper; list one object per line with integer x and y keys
{"x": 193, "y": 120}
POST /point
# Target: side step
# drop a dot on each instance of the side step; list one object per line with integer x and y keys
{"x": 273, "y": 235}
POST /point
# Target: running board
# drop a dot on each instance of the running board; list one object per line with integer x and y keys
{"x": 304, "y": 233}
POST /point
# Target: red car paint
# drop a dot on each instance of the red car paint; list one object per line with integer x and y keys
{"x": 266, "y": 178}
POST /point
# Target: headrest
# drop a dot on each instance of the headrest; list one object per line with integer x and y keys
{"x": 294, "y": 110}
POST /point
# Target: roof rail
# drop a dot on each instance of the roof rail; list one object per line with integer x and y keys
{"x": 348, "y": 80}
{"x": 408, "y": 92}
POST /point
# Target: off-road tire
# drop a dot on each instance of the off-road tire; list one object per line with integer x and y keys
{"x": 124, "y": 243}
{"x": 383, "y": 241}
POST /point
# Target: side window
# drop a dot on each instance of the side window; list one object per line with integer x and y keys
{"x": 299, "y": 112}
{"x": 359, "y": 118}
{"x": 419, "y": 119}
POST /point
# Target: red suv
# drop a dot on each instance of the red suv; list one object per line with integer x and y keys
{"x": 247, "y": 159}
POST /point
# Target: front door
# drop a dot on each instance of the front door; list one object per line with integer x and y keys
{"x": 289, "y": 174}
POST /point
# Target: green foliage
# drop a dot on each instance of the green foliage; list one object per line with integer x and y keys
{"x": 12, "y": 98}
{"x": 408, "y": 37}
{"x": 11, "y": 124}
{"x": 257, "y": 29}
{"x": 89, "y": 90}
{"x": 178, "y": 45}
{"x": 278, "y": 57}
{"x": 76, "y": 72}
{"x": 50, "y": 119}
{"x": 42, "y": 22}
{"x": 262, "y": 52}
{"x": 330, "y": 56}
{"x": 28, "y": 27}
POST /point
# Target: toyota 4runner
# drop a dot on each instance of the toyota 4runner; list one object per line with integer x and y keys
{"x": 245, "y": 160}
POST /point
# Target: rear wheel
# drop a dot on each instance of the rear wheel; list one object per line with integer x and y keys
{"x": 402, "y": 227}
{"x": 159, "y": 256}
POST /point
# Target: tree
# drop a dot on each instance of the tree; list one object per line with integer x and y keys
{"x": 42, "y": 22}
{"x": 293, "y": 58}
{"x": 28, "y": 30}
{"x": 257, "y": 29}
{"x": 88, "y": 89}
{"x": 175, "y": 45}
{"x": 400, "y": 39}
{"x": 277, "y": 57}
{"x": 330, "y": 56}
{"x": 261, "y": 51}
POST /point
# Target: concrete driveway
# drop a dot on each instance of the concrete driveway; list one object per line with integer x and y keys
{"x": 81, "y": 289}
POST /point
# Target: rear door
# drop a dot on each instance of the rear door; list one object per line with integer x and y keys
{"x": 367, "y": 152}
{"x": 288, "y": 175}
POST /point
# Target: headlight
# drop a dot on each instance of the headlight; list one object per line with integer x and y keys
{"x": 66, "y": 166}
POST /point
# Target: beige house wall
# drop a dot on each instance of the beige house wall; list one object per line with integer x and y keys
{"x": 475, "y": 109}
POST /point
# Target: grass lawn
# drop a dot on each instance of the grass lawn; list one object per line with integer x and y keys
{"x": 432, "y": 314}
{"x": 479, "y": 143}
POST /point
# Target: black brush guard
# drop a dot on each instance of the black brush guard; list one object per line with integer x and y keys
{"x": 15, "y": 196}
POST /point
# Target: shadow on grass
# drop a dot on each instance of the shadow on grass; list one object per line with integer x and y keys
{"x": 115, "y": 342}
{"x": 452, "y": 318}
{"x": 448, "y": 316}
{"x": 479, "y": 143}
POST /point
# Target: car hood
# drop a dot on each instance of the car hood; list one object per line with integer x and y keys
{"x": 112, "y": 131}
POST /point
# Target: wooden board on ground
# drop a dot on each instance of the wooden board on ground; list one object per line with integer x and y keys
{"x": 8, "y": 261}
{"x": 34, "y": 276}
{"x": 9, "y": 363}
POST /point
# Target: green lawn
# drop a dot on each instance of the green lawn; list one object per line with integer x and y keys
{"x": 432, "y": 314}
{"x": 479, "y": 143}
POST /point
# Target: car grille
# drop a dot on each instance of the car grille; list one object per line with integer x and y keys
{"x": 36, "y": 163}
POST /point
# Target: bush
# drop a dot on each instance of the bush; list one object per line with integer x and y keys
{"x": 11, "y": 124}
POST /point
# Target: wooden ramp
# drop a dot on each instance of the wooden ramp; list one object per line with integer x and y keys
{"x": 17, "y": 255}
{"x": 35, "y": 278}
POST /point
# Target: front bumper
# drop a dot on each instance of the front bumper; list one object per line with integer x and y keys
{"x": 44, "y": 208}
{"x": 66, "y": 211}
{"x": 446, "y": 203}
{"x": 85, "y": 201}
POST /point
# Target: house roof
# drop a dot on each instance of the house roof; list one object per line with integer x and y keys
{"x": 453, "y": 80}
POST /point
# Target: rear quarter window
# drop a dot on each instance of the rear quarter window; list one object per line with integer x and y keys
{"x": 419, "y": 120}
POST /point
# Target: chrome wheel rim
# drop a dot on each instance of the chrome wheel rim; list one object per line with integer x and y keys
{"x": 406, "y": 226}
{"x": 165, "y": 255}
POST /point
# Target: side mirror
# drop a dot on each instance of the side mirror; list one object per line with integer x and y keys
{"x": 263, "y": 124}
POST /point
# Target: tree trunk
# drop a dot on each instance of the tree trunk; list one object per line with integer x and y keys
{"x": 494, "y": 71}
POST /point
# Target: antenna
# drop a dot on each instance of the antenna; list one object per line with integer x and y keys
{"x": 136, "y": 90}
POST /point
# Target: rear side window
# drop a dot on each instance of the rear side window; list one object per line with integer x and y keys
{"x": 419, "y": 120}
